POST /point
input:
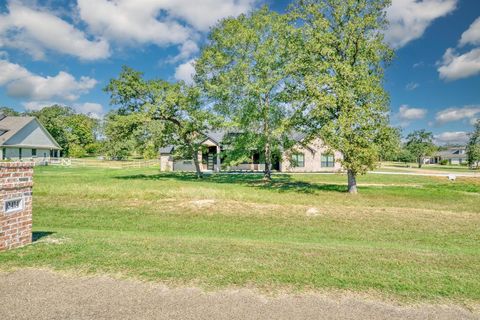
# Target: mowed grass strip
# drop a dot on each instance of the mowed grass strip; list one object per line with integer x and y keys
{"x": 407, "y": 236}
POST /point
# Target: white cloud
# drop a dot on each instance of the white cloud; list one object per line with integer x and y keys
{"x": 410, "y": 18}
{"x": 406, "y": 113}
{"x": 162, "y": 22}
{"x": 204, "y": 14}
{"x": 131, "y": 22}
{"x": 185, "y": 72}
{"x": 38, "y": 105}
{"x": 456, "y": 114}
{"x": 35, "y": 31}
{"x": 418, "y": 64}
{"x": 90, "y": 108}
{"x": 456, "y": 137}
{"x": 412, "y": 86}
{"x": 187, "y": 50}
{"x": 454, "y": 66}
{"x": 21, "y": 83}
{"x": 472, "y": 34}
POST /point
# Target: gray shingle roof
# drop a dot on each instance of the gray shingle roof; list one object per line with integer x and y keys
{"x": 11, "y": 125}
{"x": 219, "y": 135}
{"x": 166, "y": 150}
{"x": 452, "y": 153}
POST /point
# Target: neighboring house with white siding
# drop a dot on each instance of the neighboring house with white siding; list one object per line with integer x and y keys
{"x": 454, "y": 155}
{"x": 24, "y": 138}
{"x": 311, "y": 157}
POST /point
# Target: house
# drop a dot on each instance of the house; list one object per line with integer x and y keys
{"x": 454, "y": 155}
{"x": 312, "y": 157}
{"x": 24, "y": 138}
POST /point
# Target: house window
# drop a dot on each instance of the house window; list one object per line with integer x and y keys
{"x": 34, "y": 152}
{"x": 328, "y": 161}
{"x": 298, "y": 160}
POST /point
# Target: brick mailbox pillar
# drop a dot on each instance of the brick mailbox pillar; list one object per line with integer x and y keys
{"x": 16, "y": 182}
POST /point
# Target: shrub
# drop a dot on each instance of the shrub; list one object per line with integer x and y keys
{"x": 444, "y": 162}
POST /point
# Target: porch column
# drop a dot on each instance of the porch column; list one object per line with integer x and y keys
{"x": 218, "y": 159}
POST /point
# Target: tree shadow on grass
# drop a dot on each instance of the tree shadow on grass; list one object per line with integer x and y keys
{"x": 37, "y": 235}
{"x": 280, "y": 182}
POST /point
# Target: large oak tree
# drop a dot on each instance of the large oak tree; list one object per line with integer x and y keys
{"x": 176, "y": 106}
{"x": 342, "y": 58}
{"x": 245, "y": 70}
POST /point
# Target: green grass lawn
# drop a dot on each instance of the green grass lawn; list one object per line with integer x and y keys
{"x": 413, "y": 167}
{"x": 410, "y": 237}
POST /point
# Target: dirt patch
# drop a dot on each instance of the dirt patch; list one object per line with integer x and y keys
{"x": 312, "y": 212}
{"x": 40, "y": 294}
{"x": 203, "y": 203}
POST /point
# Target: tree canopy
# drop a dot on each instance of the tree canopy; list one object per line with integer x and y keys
{"x": 74, "y": 132}
{"x": 420, "y": 144}
{"x": 246, "y": 72}
{"x": 473, "y": 147}
{"x": 174, "y": 106}
{"x": 342, "y": 58}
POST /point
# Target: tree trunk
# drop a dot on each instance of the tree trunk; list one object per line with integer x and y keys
{"x": 197, "y": 164}
{"x": 420, "y": 162}
{"x": 267, "y": 174}
{"x": 352, "y": 182}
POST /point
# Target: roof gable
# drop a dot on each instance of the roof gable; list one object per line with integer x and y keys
{"x": 26, "y": 131}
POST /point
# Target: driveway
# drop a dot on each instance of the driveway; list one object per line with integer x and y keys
{"x": 39, "y": 294}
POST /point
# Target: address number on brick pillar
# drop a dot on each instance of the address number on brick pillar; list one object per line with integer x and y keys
{"x": 13, "y": 205}
{"x": 16, "y": 182}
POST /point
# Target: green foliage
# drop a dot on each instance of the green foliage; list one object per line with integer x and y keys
{"x": 73, "y": 131}
{"x": 246, "y": 72}
{"x": 444, "y": 162}
{"x": 342, "y": 60}
{"x": 76, "y": 151}
{"x": 420, "y": 144}
{"x": 124, "y": 134}
{"x": 404, "y": 155}
{"x": 93, "y": 148}
{"x": 391, "y": 144}
{"x": 473, "y": 147}
{"x": 159, "y": 111}
{"x": 9, "y": 111}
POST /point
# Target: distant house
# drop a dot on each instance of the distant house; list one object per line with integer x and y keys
{"x": 312, "y": 157}
{"x": 454, "y": 155}
{"x": 24, "y": 138}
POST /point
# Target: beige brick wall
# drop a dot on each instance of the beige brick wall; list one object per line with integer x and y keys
{"x": 16, "y": 182}
{"x": 313, "y": 160}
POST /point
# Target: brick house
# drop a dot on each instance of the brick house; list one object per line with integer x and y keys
{"x": 312, "y": 157}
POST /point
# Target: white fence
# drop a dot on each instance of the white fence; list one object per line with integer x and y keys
{"x": 99, "y": 163}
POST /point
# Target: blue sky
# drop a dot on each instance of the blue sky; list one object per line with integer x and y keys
{"x": 65, "y": 52}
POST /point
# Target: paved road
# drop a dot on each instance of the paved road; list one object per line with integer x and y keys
{"x": 36, "y": 294}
